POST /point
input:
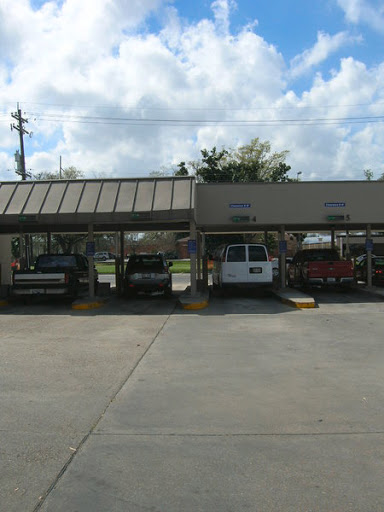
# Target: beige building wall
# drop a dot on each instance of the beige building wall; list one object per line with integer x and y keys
{"x": 292, "y": 204}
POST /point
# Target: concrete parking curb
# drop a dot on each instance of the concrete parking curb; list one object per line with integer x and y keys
{"x": 195, "y": 305}
{"x": 88, "y": 304}
{"x": 299, "y": 304}
{"x": 295, "y": 298}
{"x": 198, "y": 301}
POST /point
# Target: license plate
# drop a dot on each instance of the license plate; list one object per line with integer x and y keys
{"x": 331, "y": 279}
{"x": 256, "y": 270}
{"x": 36, "y": 291}
{"x": 146, "y": 276}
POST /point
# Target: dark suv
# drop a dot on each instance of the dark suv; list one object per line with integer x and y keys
{"x": 147, "y": 273}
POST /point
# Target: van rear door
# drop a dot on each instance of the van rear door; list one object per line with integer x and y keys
{"x": 235, "y": 266}
{"x": 259, "y": 268}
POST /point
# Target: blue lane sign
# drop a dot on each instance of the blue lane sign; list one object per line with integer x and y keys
{"x": 282, "y": 246}
{"x": 90, "y": 248}
{"x": 369, "y": 244}
{"x": 192, "y": 246}
{"x": 240, "y": 205}
{"x": 334, "y": 205}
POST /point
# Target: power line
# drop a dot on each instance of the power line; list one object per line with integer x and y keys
{"x": 206, "y": 108}
{"x": 131, "y": 121}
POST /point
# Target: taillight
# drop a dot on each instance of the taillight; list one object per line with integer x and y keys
{"x": 66, "y": 278}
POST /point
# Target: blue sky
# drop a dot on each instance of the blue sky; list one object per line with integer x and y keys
{"x": 103, "y": 84}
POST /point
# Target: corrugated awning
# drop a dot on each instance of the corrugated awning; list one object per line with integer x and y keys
{"x": 111, "y": 204}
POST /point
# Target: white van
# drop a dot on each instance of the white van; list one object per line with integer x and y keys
{"x": 243, "y": 265}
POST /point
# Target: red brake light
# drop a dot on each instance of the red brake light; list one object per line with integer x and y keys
{"x": 66, "y": 278}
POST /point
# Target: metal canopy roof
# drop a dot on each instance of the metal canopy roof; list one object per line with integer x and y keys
{"x": 161, "y": 204}
{"x": 143, "y": 204}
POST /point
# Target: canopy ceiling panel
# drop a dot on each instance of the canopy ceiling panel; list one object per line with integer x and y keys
{"x": 130, "y": 204}
{"x": 53, "y": 198}
{"x": 6, "y": 191}
{"x": 35, "y": 200}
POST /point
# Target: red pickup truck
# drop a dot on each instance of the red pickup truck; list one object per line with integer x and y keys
{"x": 321, "y": 267}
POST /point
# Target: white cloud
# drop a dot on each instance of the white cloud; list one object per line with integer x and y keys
{"x": 221, "y": 10}
{"x": 323, "y": 48}
{"x": 363, "y": 11}
{"x": 104, "y": 63}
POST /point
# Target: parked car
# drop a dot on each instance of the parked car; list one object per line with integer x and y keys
{"x": 320, "y": 267}
{"x": 362, "y": 258}
{"x": 65, "y": 275}
{"x": 104, "y": 256}
{"x": 377, "y": 270}
{"x": 147, "y": 273}
{"x": 241, "y": 265}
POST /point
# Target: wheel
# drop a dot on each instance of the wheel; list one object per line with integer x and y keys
{"x": 168, "y": 292}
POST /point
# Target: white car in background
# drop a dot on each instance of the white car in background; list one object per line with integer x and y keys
{"x": 104, "y": 256}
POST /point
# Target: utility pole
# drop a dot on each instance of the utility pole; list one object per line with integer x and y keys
{"x": 20, "y": 128}
{"x": 20, "y": 162}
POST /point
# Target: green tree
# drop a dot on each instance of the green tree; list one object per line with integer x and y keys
{"x": 368, "y": 174}
{"x": 182, "y": 170}
{"x": 69, "y": 173}
{"x": 252, "y": 162}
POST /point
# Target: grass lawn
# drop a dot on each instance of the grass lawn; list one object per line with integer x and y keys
{"x": 178, "y": 267}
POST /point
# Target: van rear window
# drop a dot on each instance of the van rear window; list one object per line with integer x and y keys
{"x": 257, "y": 253}
{"x": 236, "y": 254}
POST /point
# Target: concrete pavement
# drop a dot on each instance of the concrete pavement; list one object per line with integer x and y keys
{"x": 249, "y": 405}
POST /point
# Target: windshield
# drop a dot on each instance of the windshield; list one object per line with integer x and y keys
{"x": 320, "y": 255}
{"x": 145, "y": 263}
{"x": 56, "y": 261}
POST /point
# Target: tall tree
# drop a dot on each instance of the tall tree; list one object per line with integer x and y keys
{"x": 69, "y": 173}
{"x": 249, "y": 163}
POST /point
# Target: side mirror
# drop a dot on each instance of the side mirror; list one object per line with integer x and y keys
{"x": 170, "y": 263}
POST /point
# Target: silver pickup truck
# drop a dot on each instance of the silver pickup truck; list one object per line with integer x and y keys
{"x": 54, "y": 274}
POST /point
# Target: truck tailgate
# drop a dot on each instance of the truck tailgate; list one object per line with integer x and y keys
{"x": 330, "y": 269}
{"x": 39, "y": 279}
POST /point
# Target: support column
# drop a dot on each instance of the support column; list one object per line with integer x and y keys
{"x": 347, "y": 249}
{"x": 198, "y": 255}
{"x": 121, "y": 269}
{"x": 49, "y": 242}
{"x": 333, "y": 238}
{"x": 368, "y": 246}
{"x": 22, "y": 259}
{"x": 117, "y": 263}
{"x": 192, "y": 256}
{"x": 205, "y": 263}
{"x": 91, "y": 269}
{"x": 282, "y": 253}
